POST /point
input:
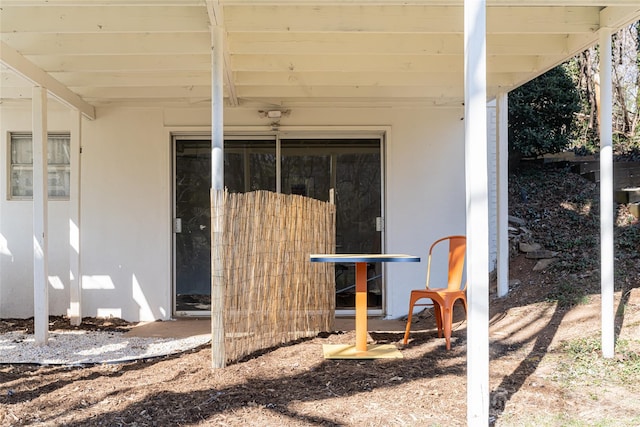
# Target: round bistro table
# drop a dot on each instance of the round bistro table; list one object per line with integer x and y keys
{"x": 361, "y": 261}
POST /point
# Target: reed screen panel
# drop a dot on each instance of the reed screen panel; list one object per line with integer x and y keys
{"x": 273, "y": 294}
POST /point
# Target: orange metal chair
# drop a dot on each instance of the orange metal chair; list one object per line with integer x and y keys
{"x": 443, "y": 298}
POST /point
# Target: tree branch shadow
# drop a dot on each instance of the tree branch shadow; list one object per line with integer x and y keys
{"x": 510, "y": 384}
{"x": 328, "y": 380}
{"x": 620, "y": 312}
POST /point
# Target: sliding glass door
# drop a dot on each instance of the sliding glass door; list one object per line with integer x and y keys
{"x": 307, "y": 166}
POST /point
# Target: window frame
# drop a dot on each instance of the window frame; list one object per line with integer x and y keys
{"x": 52, "y": 168}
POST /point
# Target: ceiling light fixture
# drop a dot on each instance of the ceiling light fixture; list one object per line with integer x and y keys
{"x": 273, "y": 114}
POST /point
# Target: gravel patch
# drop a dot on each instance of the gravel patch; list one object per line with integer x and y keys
{"x": 90, "y": 347}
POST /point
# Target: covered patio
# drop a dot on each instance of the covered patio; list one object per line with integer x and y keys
{"x": 285, "y": 66}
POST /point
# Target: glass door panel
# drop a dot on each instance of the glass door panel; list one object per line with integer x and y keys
{"x": 358, "y": 204}
{"x": 248, "y": 165}
{"x": 193, "y": 218}
{"x": 311, "y": 167}
{"x": 306, "y": 169}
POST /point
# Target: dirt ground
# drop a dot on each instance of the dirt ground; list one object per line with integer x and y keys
{"x": 546, "y": 366}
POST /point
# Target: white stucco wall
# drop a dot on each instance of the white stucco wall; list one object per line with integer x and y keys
{"x": 425, "y": 195}
{"x": 126, "y": 211}
{"x": 16, "y": 229}
{"x": 126, "y": 201}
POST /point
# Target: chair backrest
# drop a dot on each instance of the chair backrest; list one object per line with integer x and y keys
{"x": 456, "y": 257}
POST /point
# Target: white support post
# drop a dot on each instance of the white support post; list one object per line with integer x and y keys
{"x": 40, "y": 214}
{"x": 606, "y": 194}
{"x": 75, "y": 274}
{"x": 502, "y": 165}
{"x": 218, "y": 357}
{"x": 278, "y": 164}
{"x": 476, "y": 179}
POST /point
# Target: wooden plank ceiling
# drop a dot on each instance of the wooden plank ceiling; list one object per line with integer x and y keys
{"x": 285, "y": 53}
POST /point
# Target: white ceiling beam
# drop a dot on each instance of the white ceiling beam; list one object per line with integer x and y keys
{"x": 109, "y": 44}
{"x": 333, "y": 103}
{"x": 350, "y": 92}
{"x": 533, "y": 45}
{"x": 619, "y": 17}
{"x": 576, "y": 43}
{"x": 542, "y": 20}
{"x": 147, "y": 92}
{"x": 93, "y": 87}
{"x": 123, "y": 63}
{"x": 407, "y": 19}
{"x": 321, "y": 18}
{"x": 387, "y": 44}
{"x": 104, "y": 19}
{"x": 216, "y": 18}
{"x": 319, "y": 93}
{"x": 18, "y": 63}
{"x": 376, "y": 63}
{"x": 276, "y": 78}
{"x": 133, "y": 79}
{"x": 362, "y": 79}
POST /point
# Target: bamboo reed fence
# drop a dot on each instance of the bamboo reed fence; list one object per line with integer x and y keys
{"x": 273, "y": 294}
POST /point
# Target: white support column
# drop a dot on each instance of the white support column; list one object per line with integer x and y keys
{"x": 476, "y": 179}
{"x": 75, "y": 274}
{"x": 218, "y": 357}
{"x": 40, "y": 214}
{"x": 278, "y": 164}
{"x": 606, "y": 194}
{"x": 502, "y": 166}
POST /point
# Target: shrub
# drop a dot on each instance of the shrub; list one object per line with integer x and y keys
{"x": 542, "y": 113}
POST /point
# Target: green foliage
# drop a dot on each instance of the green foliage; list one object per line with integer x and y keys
{"x": 583, "y": 69}
{"x": 628, "y": 239}
{"x": 628, "y": 147}
{"x": 586, "y": 364}
{"x": 542, "y": 113}
{"x": 582, "y": 348}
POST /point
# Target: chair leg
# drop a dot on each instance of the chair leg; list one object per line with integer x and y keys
{"x": 447, "y": 319}
{"x": 437, "y": 313}
{"x": 406, "y": 332}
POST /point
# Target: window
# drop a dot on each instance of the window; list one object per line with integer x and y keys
{"x": 21, "y": 167}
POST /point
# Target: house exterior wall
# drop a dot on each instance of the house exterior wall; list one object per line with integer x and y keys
{"x": 16, "y": 228}
{"x": 126, "y": 201}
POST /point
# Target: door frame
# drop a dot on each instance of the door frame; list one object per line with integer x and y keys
{"x": 284, "y": 132}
